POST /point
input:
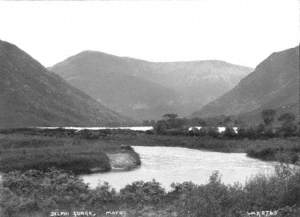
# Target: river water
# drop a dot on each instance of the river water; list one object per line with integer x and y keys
{"x": 174, "y": 164}
{"x": 136, "y": 128}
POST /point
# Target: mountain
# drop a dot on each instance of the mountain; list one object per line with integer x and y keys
{"x": 30, "y": 95}
{"x": 273, "y": 84}
{"x": 147, "y": 90}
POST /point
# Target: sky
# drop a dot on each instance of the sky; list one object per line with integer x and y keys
{"x": 242, "y": 32}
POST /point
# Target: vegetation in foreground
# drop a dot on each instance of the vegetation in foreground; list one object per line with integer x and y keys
{"x": 34, "y": 193}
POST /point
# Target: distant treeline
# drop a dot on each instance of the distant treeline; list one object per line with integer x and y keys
{"x": 271, "y": 126}
{"x": 63, "y": 132}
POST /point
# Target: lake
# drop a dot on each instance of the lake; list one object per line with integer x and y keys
{"x": 174, "y": 164}
{"x": 135, "y": 128}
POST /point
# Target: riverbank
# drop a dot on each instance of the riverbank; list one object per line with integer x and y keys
{"x": 86, "y": 151}
{"x": 37, "y": 193}
{"x": 275, "y": 149}
{"x": 176, "y": 164}
{"x": 78, "y": 155}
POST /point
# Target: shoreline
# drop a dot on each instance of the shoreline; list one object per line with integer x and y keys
{"x": 92, "y": 151}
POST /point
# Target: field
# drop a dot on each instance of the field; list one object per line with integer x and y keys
{"x": 75, "y": 154}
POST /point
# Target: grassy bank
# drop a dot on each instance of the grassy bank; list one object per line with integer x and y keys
{"x": 36, "y": 193}
{"x": 283, "y": 149}
{"x": 75, "y": 154}
{"x": 77, "y": 151}
{"x": 32, "y": 193}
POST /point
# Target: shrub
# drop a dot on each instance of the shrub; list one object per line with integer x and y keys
{"x": 103, "y": 197}
{"x": 213, "y": 132}
{"x": 34, "y": 190}
{"x": 260, "y": 193}
{"x": 174, "y": 132}
{"x": 211, "y": 200}
{"x": 229, "y": 132}
{"x": 141, "y": 192}
{"x": 160, "y": 127}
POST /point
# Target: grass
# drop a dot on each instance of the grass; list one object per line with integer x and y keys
{"x": 24, "y": 152}
{"x": 37, "y": 192}
{"x": 272, "y": 150}
{"x": 286, "y": 149}
{"x": 79, "y": 152}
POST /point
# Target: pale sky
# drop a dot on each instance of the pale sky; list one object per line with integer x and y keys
{"x": 238, "y": 31}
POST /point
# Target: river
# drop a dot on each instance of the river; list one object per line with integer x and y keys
{"x": 136, "y": 128}
{"x": 174, "y": 164}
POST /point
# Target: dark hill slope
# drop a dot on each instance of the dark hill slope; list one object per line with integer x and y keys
{"x": 107, "y": 80}
{"x": 273, "y": 84}
{"x": 30, "y": 95}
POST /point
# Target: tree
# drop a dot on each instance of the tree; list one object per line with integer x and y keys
{"x": 268, "y": 116}
{"x": 170, "y": 116}
{"x": 197, "y": 122}
{"x": 229, "y": 132}
{"x": 202, "y": 123}
{"x": 160, "y": 127}
{"x": 288, "y": 125}
{"x": 227, "y": 121}
{"x": 287, "y": 117}
{"x": 260, "y": 130}
{"x": 213, "y": 132}
{"x": 146, "y": 123}
{"x": 173, "y": 122}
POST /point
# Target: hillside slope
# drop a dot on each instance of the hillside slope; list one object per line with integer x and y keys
{"x": 30, "y": 95}
{"x": 273, "y": 84}
{"x": 147, "y": 90}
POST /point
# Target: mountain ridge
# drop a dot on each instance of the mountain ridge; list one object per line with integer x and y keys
{"x": 273, "y": 84}
{"x": 33, "y": 96}
{"x": 177, "y": 93}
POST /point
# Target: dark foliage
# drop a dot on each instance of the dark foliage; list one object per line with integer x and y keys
{"x": 23, "y": 194}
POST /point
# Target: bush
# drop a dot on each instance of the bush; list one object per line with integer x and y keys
{"x": 141, "y": 192}
{"x": 41, "y": 191}
{"x": 213, "y": 132}
{"x": 160, "y": 127}
{"x": 103, "y": 197}
{"x": 276, "y": 150}
{"x": 260, "y": 193}
{"x": 174, "y": 132}
{"x": 229, "y": 132}
{"x": 211, "y": 200}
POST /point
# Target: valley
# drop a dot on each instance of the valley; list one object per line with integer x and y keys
{"x": 104, "y": 96}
